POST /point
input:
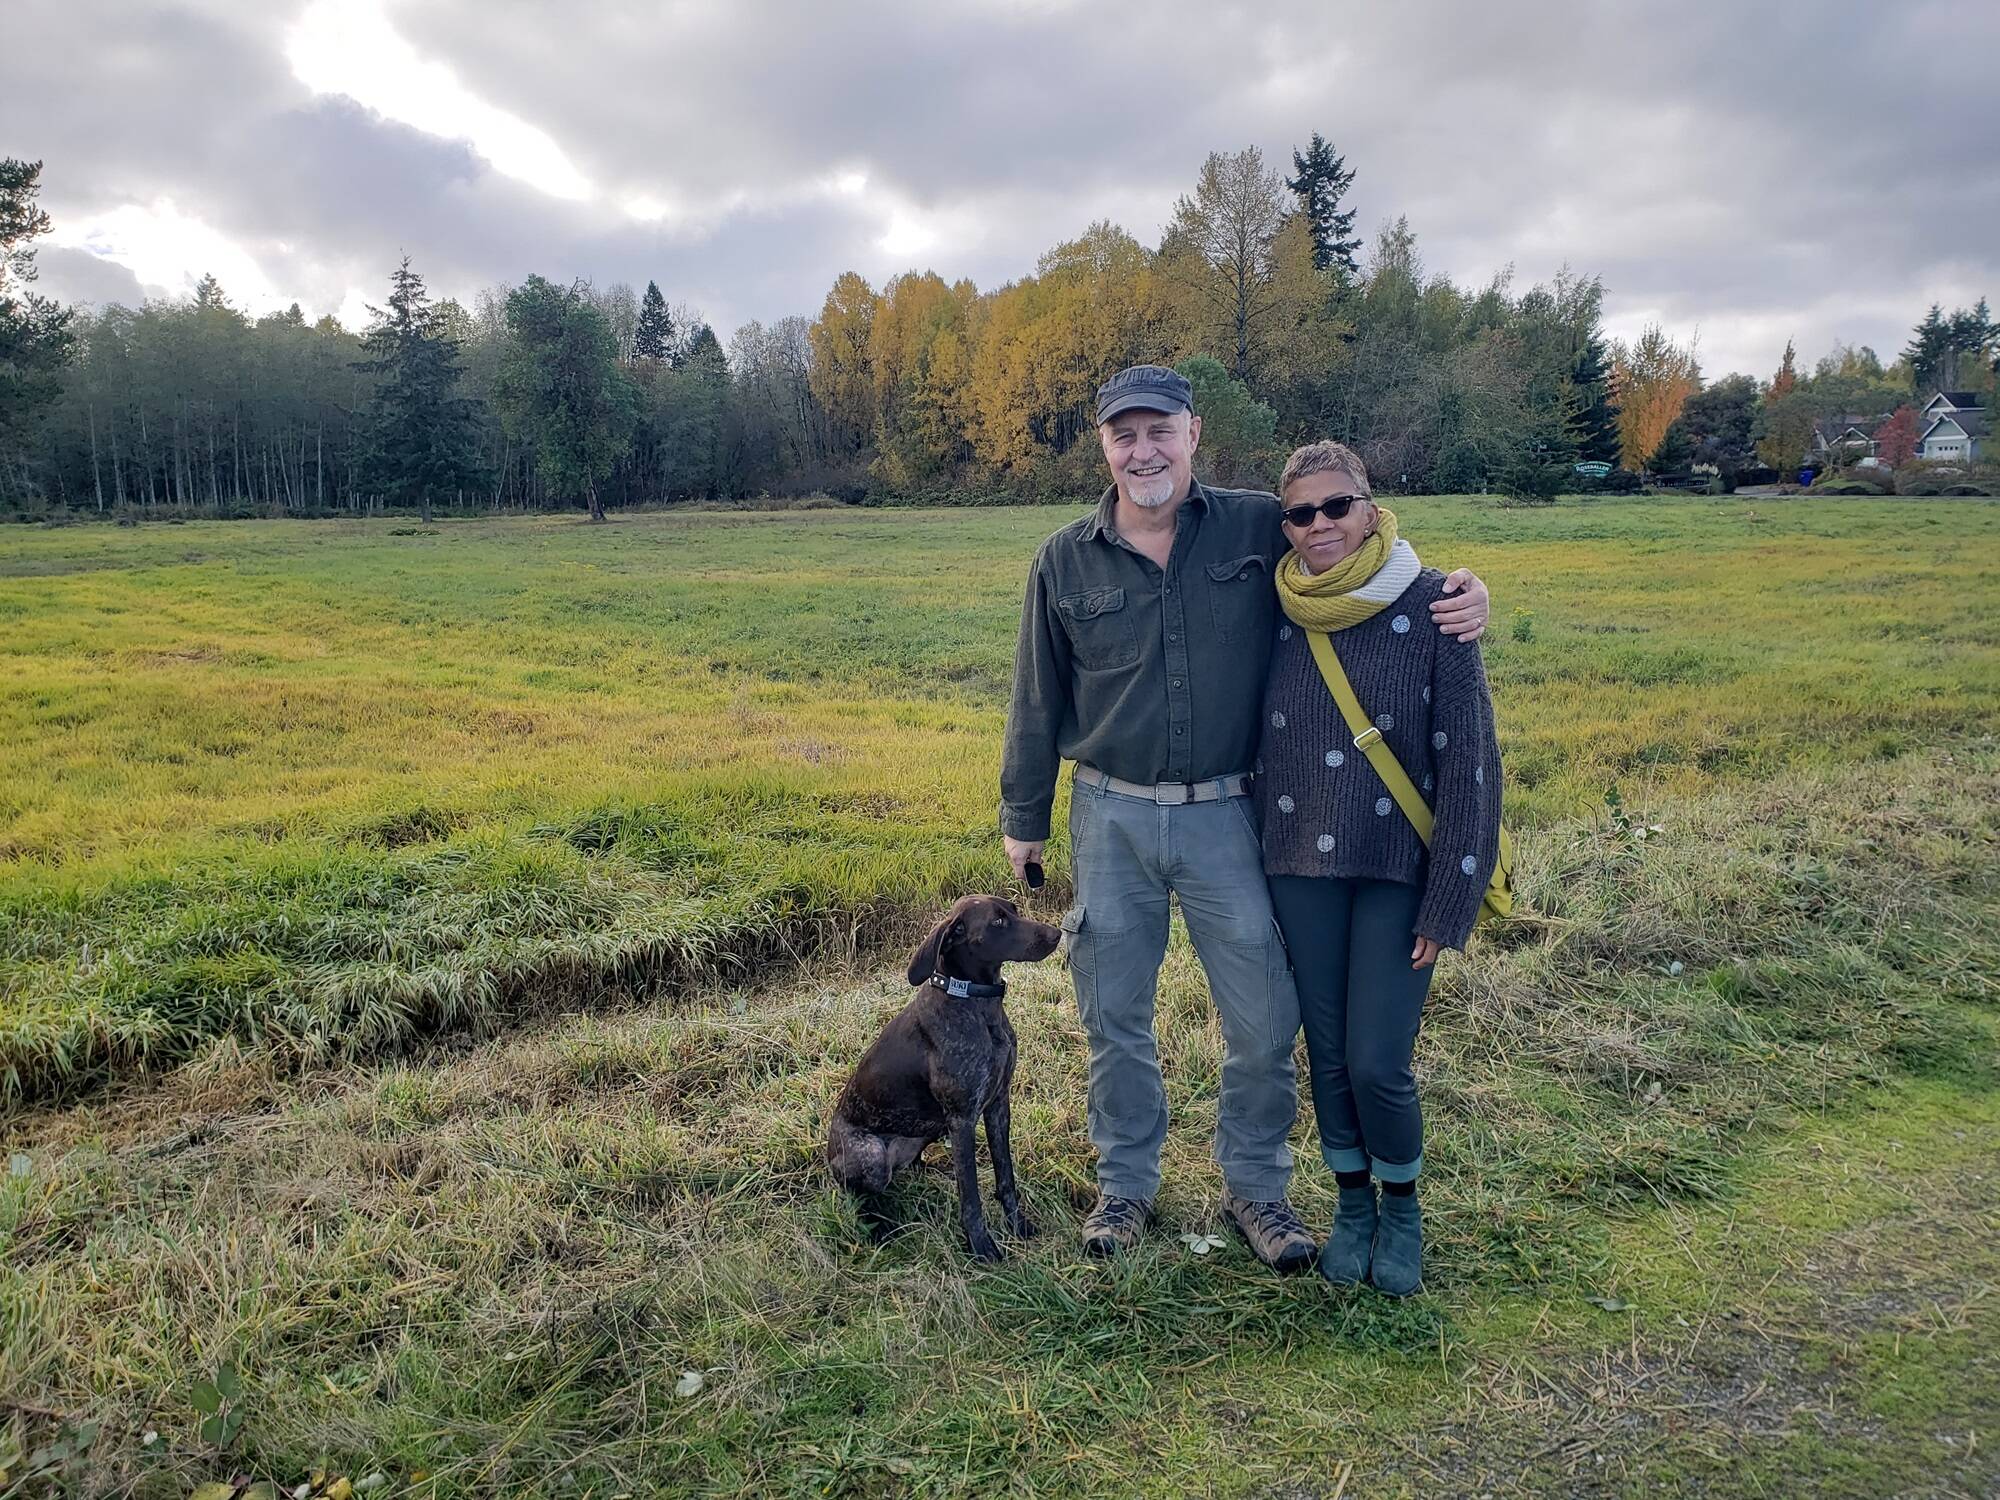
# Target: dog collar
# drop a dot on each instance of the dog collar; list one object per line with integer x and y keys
{"x": 965, "y": 989}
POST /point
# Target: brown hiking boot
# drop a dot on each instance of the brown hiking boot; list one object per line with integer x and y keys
{"x": 1114, "y": 1226}
{"x": 1274, "y": 1233}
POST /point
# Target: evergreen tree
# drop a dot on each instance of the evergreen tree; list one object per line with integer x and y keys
{"x": 420, "y": 434}
{"x": 1929, "y": 352}
{"x": 690, "y": 422}
{"x": 1718, "y": 422}
{"x": 561, "y": 390}
{"x": 1593, "y": 426}
{"x": 1322, "y": 181}
{"x": 654, "y": 339}
{"x": 35, "y": 333}
{"x": 1971, "y": 339}
{"x": 208, "y": 293}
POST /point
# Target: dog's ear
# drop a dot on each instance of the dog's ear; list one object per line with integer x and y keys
{"x": 924, "y": 962}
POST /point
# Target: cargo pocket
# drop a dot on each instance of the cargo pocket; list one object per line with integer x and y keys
{"x": 1082, "y": 964}
{"x": 1101, "y": 633}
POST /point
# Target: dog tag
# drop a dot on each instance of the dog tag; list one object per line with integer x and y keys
{"x": 1033, "y": 872}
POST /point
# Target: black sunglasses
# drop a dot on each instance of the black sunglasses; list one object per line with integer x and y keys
{"x": 1334, "y": 508}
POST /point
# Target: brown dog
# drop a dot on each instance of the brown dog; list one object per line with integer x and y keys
{"x": 943, "y": 1063}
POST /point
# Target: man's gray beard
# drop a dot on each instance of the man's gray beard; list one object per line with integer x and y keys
{"x": 1146, "y": 504}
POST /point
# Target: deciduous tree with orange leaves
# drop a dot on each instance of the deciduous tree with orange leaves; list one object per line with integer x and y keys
{"x": 1653, "y": 380}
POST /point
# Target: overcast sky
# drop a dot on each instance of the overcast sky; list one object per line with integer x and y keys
{"x": 1745, "y": 171}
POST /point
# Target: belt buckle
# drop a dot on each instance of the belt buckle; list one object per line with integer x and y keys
{"x": 1366, "y": 738}
{"x": 1174, "y": 795}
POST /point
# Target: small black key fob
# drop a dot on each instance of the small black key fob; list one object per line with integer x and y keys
{"x": 1033, "y": 871}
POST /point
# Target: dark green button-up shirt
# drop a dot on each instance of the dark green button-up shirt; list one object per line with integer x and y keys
{"x": 1147, "y": 673}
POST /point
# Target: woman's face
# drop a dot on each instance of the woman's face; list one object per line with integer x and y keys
{"x": 1322, "y": 541}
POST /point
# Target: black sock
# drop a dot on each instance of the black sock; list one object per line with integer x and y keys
{"x": 1400, "y": 1189}
{"x": 1357, "y": 1178}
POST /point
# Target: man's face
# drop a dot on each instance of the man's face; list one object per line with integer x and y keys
{"x": 1151, "y": 454}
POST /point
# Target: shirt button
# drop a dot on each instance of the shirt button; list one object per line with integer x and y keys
{"x": 1172, "y": 636}
{"x": 1180, "y": 729}
{"x": 1177, "y": 682}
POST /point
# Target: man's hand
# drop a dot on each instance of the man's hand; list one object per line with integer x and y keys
{"x": 1021, "y": 853}
{"x": 1464, "y": 617}
{"x": 1424, "y": 954}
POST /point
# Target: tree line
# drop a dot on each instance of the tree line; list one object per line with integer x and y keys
{"x": 556, "y": 395}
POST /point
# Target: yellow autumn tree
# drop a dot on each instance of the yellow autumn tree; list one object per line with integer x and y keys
{"x": 1091, "y": 308}
{"x": 1653, "y": 380}
{"x": 842, "y": 380}
{"x": 917, "y": 354}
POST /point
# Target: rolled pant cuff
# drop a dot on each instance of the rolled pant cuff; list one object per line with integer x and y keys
{"x": 1344, "y": 1158}
{"x": 1397, "y": 1171}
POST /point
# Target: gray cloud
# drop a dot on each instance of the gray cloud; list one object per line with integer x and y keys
{"x": 1758, "y": 172}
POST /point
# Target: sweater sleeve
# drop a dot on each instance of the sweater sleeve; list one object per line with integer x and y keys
{"x": 1465, "y": 752}
{"x": 1029, "y": 761}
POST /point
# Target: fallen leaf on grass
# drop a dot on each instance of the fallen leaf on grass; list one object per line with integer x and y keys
{"x": 690, "y": 1383}
{"x": 1201, "y": 1244}
{"x": 1609, "y": 1304}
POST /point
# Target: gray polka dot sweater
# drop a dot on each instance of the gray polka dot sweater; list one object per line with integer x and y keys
{"x": 1324, "y": 811}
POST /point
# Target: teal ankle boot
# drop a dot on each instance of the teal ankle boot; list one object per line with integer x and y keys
{"x": 1343, "y": 1260}
{"x": 1397, "y": 1265}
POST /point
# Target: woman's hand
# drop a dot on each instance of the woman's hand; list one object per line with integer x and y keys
{"x": 1424, "y": 954}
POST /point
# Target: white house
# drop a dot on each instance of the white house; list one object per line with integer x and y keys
{"x": 1953, "y": 426}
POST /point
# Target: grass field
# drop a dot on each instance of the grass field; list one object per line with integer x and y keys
{"x": 301, "y": 813}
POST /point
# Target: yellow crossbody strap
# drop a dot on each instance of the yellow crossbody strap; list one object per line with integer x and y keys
{"x": 1499, "y": 898}
{"x": 1368, "y": 739}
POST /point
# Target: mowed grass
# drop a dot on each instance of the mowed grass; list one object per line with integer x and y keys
{"x": 324, "y": 788}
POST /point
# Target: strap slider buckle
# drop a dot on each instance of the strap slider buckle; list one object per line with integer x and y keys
{"x": 1366, "y": 738}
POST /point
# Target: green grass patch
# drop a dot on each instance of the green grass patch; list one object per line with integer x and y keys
{"x": 327, "y": 788}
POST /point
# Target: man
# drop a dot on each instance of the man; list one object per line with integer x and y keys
{"x": 1144, "y": 641}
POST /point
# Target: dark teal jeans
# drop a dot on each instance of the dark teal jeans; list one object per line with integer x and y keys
{"x": 1360, "y": 1003}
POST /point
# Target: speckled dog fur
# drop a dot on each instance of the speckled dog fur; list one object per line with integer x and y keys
{"x": 940, "y": 1066}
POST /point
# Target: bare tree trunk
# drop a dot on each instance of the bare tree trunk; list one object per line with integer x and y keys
{"x": 596, "y": 505}
{"x": 96, "y": 476}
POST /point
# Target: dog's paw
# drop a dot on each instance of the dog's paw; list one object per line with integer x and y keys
{"x": 984, "y": 1249}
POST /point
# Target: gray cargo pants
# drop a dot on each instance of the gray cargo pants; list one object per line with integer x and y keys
{"x": 1129, "y": 854}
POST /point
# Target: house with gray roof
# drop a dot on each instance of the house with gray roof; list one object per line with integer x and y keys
{"x": 1953, "y": 427}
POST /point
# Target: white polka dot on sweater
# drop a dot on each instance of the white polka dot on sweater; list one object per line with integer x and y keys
{"x": 1468, "y": 864}
{"x": 1427, "y": 695}
{"x": 1401, "y": 624}
{"x": 1382, "y": 806}
{"x": 1284, "y": 632}
{"x": 1427, "y": 783}
{"x": 1385, "y": 722}
{"x": 1439, "y": 740}
{"x": 1277, "y": 721}
{"x": 1326, "y": 843}
{"x": 1335, "y": 758}
{"x": 1286, "y": 804}
{"x": 1479, "y": 774}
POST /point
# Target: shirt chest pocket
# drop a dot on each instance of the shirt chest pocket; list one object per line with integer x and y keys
{"x": 1101, "y": 633}
{"x": 1241, "y": 598}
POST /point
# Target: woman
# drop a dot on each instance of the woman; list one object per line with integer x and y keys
{"x": 1363, "y": 905}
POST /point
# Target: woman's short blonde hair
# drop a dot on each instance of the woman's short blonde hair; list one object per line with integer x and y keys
{"x": 1326, "y": 457}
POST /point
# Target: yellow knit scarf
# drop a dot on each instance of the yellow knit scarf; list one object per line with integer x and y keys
{"x": 1325, "y": 601}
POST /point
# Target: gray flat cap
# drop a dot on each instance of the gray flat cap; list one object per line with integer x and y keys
{"x": 1144, "y": 388}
